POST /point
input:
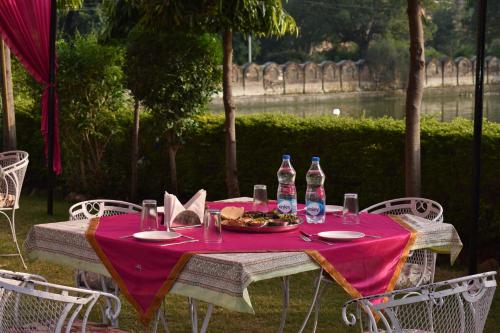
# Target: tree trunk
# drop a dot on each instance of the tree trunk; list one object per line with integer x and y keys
{"x": 230, "y": 110}
{"x": 172, "y": 152}
{"x": 414, "y": 95}
{"x": 135, "y": 153}
{"x": 8, "y": 114}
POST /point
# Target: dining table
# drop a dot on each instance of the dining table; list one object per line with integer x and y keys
{"x": 222, "y": 278}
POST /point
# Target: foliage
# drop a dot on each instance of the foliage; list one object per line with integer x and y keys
{"x": 494, "y": 47}
{"x": 387, "y": 60}
{"x": 93, "y": 109}
{"x": 344, "y": 21}
{"x": 173, "y": 74}
{"x": 240, "y": 49}
{"x": 259, "y": 18}
{"x": 79, "y": 16}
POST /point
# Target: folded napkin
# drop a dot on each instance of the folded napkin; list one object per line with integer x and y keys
{"x": 192, "y": 212}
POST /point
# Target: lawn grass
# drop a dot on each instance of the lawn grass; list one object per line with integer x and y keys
{"x": 265, "y": 295}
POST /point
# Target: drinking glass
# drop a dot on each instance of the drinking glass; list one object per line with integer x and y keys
{"x": 149, "y": 216}
{"x": 212, "y": 228}
{"x": 350, "y": 212}
{"x": 260, "y": 198}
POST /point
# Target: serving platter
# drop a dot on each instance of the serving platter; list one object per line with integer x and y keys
{"x": 254, "y": 222}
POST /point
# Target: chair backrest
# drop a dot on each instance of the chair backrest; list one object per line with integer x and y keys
{"x": 101, "y": 207}
{"x": 13, "y": 169}
{"x": 423, "y": 261}
{"x": 422, "y": 207}
{"x": 37, "y": 306}
{"x": 457, "y": 305}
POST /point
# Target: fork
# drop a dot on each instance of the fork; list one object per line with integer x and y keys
{"x": 308, "y": 239}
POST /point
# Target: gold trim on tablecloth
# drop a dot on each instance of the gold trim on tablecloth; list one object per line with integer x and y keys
{"x": 353, "y": 292}
{"x": 147, "y": 315}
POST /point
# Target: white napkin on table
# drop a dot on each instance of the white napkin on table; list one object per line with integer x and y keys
{"x": 173, "y": 206}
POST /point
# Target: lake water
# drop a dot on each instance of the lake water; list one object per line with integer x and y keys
{"x": 444, "y": 107}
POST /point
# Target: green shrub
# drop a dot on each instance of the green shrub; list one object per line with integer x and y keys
{"x": 94, "y": 112}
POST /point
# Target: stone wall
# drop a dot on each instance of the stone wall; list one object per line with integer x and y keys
{"x": 346, "y": 75}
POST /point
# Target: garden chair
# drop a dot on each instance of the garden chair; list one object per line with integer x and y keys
{"x": 93, "y": 281}
{"x": 457, "y": 305}
{"x": 420, "y": 265}
{"x": 13, "y": 165}
{"x": 30, "y": 304}
{"x": 98, "y": 208}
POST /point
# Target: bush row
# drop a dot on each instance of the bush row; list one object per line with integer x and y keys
{"x": 365, "y": 156}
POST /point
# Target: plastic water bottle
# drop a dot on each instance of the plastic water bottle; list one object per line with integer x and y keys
{"x": 287, "y": 194}
{"x": 315, "y": 193}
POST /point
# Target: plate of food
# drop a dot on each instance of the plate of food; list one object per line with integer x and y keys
{"x": 236, "y": 219}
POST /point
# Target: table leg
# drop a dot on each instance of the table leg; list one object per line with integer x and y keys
{"x": 286, "y": 301}
{"x": 204, "y": 326}
{"x": 194, "y": 316}
{"x": 313, "y": 303}
{"x": 160, "y": 317}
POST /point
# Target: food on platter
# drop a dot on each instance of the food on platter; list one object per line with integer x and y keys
{"x": 232, "y": 213}
{"x": 253, "y": 219}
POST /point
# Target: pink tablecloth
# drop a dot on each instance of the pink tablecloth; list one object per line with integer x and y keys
{"x": 146, "y": 271}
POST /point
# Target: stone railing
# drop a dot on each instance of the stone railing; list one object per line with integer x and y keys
{"x": 347, "y": 76}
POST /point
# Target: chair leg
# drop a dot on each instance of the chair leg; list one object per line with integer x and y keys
{"x": 109, "y": 305}
{"x": 286, "y": 302}
{"x": 12, "y": 225}
{"x": 313, "y": 303}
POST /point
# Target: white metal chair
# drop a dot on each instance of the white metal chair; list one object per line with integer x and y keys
{"x": 93, "y": 281}
{"x": 457, "y": 305}
{"x": 101, "y": 207}
{"x": 420, "y": 265}
{"x": 98, "y": 208}
{"x": 30, "y": 304}
{"x": 13, "y": 165}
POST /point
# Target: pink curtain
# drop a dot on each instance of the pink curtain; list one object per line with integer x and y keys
{"x": 25, "y": 28}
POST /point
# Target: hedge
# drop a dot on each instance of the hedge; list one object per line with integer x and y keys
{"x": 365, "y": 156}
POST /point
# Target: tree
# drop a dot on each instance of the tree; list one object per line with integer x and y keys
{"x": 173, "y": 74}
{"x": 256, "y": 17}
{"x": 344, "y": 21}
{"x": 7, "y": 94}
{"x": 414, "y": 93}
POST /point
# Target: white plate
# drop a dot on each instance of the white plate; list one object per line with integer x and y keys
{"x": 330, "y": 209}
{"x": 156, "y": 236}
{"x": 341, "y": 235}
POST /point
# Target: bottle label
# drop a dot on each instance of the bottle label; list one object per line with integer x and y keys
{"x": 315, "y": 208}
{"x": 287, "y": 206}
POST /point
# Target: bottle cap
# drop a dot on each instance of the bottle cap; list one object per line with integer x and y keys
{"x": 315, "y": 159}
{"x": 286, "y": 157}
